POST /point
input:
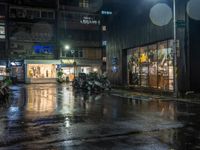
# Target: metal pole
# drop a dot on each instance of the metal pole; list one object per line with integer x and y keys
{"x": 175, "y": 50}
{"x": 58, "y": 55}
{"x": 74, "y": 66}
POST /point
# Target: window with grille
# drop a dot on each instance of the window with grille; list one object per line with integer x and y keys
{"x": 84, "y": 3}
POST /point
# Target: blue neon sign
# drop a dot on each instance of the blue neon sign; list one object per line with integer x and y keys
{"x": 41, "y": 49}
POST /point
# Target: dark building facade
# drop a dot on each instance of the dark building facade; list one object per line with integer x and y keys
{"x": 3, "y": 37}
{"x": 31, "y": 26}
{"x": 80, "y": 29}
{"x": 140, "y": 53}
{"x": 32, "y": 40}
{"x": 106, "y": 17}
{"x": 34, "y": 34}
{"x": 3, "y": 30}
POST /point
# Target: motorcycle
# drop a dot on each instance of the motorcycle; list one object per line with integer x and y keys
{"x": 92, "y": 82}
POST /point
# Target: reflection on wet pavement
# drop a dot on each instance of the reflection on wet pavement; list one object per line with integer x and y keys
{"x": 50, "y": 116}
{"x": 40, "y": 100}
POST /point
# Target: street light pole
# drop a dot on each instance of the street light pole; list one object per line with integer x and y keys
{"x": 74, "y": 63}
{"x": 74, "y": 66}
{"x": 175, "y": 50}
{"x": 57, "y": 29}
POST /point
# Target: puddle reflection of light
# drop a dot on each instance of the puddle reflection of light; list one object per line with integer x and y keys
{"x": 13, "y": 113}
{"x": 41, "y": 101}
{"x": 67, "y": 123}
{"x": 13, "y": 109}
{"x": 68, "y": 102}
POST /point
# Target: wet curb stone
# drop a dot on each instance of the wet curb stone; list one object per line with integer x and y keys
{"x": 146, "y": 96}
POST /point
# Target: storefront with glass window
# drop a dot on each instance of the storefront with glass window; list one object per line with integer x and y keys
{"x": 41, "y": 71}
{"x": 72, "y": 67}
{"x": 151, "y": 66}
{"x": 2, "y": 70}
{"x": 3, "y": 67}
{"x": 17, "y": 70}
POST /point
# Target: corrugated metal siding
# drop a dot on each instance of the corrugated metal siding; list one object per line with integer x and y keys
{"x": 129, "y": 30}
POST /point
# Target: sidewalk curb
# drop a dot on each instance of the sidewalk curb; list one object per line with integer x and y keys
{"x": 136, "y": 95}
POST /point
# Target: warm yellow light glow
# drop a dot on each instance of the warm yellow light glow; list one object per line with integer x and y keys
{"x": 95, "y": 69}
{"x": 41, "y": 101}
{"x": 41, "y": 71}
{"x": 143, "y": 58}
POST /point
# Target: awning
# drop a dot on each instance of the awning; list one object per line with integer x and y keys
{"x": 81, "y": 62}
{"x": 67, "y": 61}
{"x": 57, "y": 62}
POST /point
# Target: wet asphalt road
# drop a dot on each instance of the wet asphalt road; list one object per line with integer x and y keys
{"x": 49, "y": 116}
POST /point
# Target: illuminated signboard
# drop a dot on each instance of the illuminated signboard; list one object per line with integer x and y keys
{"x": 90, "y": 20}
{"x": 115, "y": 69}
{"x": 114, "y": 61}
{"x": 41, "y": 49}
{"x": 106, "y": 12}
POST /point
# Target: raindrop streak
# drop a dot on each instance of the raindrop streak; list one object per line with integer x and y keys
{"x": 193, "y": 7}
{"x": 160, "y": 14}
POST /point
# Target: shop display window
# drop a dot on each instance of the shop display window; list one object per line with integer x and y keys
{"x": 144, "y": 70}
{"x": 170, "y": 63}
{"x": 133, "y": 67}
{"x": 163, "y": 68}
{"x": 152, "y": 66}
{"x": 68, "y": 73}
{"x": 153, "y": 63}
{"x": 2, "y": 70}
{"x": 86, "y": 70}
{"x": 41, "y": 71}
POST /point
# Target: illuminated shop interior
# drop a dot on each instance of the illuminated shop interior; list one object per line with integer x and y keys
{"x": 151, "y": 66}
{"x": 69, "y": 71}
{"x": 41, "y": 71}
{"x": 2, "y": 70}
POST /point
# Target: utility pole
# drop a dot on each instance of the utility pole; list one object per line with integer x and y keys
{"x": 58, "y": 53}
{"x": 175, "y": 50}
